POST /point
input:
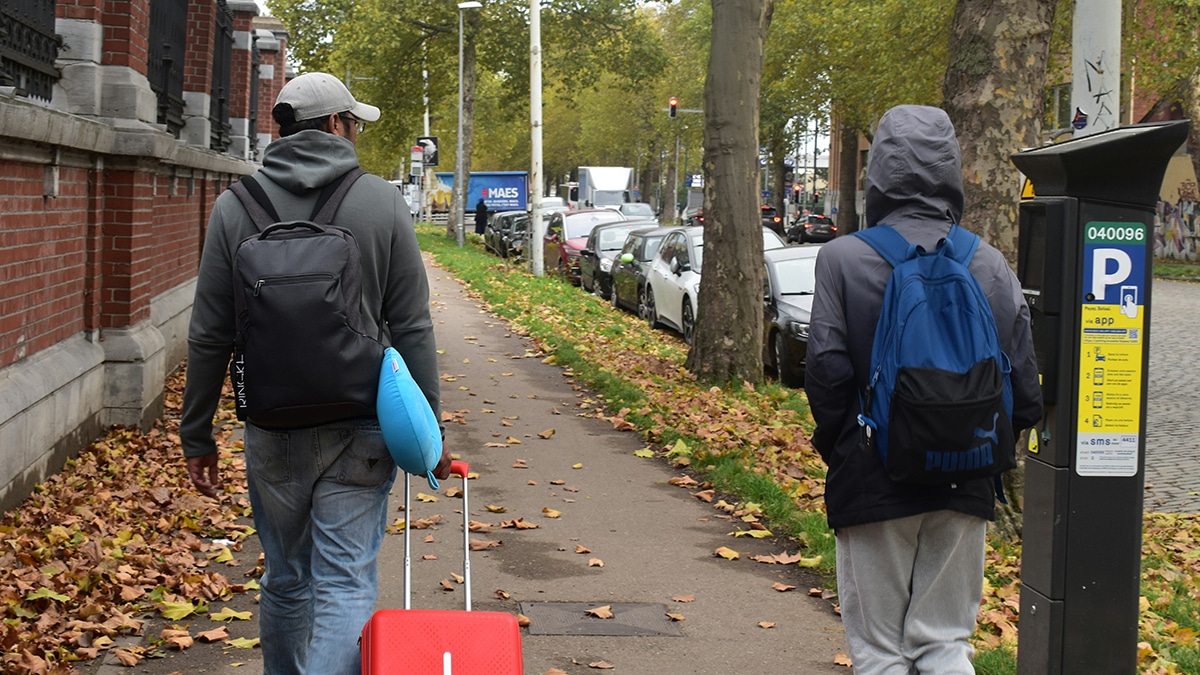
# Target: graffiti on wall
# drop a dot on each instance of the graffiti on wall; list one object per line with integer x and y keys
{"x": 1176, "y": 231}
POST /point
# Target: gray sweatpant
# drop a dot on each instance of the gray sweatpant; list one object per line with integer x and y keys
{"x": 910, "y": 590}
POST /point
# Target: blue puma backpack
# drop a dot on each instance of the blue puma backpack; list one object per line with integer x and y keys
{"x": 938, "y": 405}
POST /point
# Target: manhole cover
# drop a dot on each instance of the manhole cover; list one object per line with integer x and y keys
{"x": 572, "y": 618}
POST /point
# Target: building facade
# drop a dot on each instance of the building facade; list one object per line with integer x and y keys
{"x": 120, "y": 123}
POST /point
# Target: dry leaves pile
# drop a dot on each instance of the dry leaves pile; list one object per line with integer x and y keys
{"x": 117, "y": 534}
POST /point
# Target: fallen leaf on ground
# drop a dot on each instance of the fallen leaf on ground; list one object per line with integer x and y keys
{"x": 214, "y": 635}
{"x": 514, "y": 441}
{"x": 546, "y": 434}
{"x": 674, "y": 617}
{"x": 766, "y": 624}
{"x": 551, "y": 513}
{"x": 243, "y": 643}
{"x": 484, "y": 544}
{"x": 595, "y": 562}
{"x": 705, "y": 495}
{"x": 520, "y": 464}
{"x": 684, "y": 598}
{"x": 604, "y": 612}
{"x": 601, "y": 665}
{"x": 644, "y": 452}
{"x": 179, "y": 639}
{"x": 495, "y": 509}
{"x": 577, "y": 466}
{"x": 555, "y": 671}
{"x": 228, "y": 614}
{"x": 422, "y": 497}
{"x": 580, "y": 548}
{"x": 843, "y": 660}
{"x": 523, "y": 620}
{"x": 782, "y": 588}
{"x": 727, "y": 553}
{"x": 757, "y": 534}
{"x": 502, "y": 594}
{"x": 446, "y": 585}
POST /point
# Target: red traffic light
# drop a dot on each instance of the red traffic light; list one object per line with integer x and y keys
{"x": 796, "y": 187}
{"x": 674, "y": 105}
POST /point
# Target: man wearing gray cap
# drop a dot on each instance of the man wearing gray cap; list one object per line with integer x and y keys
{"x": 319, "y": 493}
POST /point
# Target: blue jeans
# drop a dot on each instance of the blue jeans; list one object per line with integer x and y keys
{"x": 320, "y": 507}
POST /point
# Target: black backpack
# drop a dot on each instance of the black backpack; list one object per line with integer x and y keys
{"x": 302, "y": 355}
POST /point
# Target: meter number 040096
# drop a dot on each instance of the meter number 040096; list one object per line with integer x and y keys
{"x": 1115, "y": 233}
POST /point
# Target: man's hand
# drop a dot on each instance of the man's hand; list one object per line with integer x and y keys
{"x": 206, "y": 477}
{"x": 442, "y": 470}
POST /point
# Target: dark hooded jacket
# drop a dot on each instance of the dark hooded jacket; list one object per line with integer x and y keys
{"x": 914, "y": 184}
{"x": 394, "y": 287}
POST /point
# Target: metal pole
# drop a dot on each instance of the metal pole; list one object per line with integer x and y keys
{"x": 537, "y": 228}
{"x": 1096, "y": 66}
{"x": 675, "y": 190}
{"x": 459, "y": 179}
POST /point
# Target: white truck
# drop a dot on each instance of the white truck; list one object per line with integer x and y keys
{"x": 605, "y": 186}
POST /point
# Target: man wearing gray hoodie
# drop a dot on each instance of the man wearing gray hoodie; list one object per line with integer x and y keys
{"x": 319, "y": 494}
{"x": 910, "y": 558}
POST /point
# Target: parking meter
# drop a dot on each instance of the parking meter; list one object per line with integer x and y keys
{"x": 1085, "y": 262}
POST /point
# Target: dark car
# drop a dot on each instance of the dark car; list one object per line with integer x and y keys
{"x": 629, "y": 269}
{"x": 603, "y": 245}
{"x": 772, "y": 219}
{"x": 811, "y": 227}
{"x": 498, "y": 233}
{"x": 566, "y": 235}
{"x": 514, "y": 237}
{"x": 788, "y": 287}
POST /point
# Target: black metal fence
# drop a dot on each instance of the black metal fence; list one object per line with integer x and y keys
{"x": 168, "y": 46}
{"x": 218, "y": 107}
{"x": 28, "y": 46}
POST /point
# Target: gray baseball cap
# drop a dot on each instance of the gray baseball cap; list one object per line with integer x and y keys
{"x": 314, "y": 95}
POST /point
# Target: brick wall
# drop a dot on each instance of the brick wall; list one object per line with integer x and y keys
{"x": 102, "y": 223}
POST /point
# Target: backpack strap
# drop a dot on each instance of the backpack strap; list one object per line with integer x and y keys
{"x": 888, "y": 243}
{"x": 264, "y": 215}
{"x": 963, "y": 243}
{"x": 256, "y": 202}
{"x": 332, "y": 195}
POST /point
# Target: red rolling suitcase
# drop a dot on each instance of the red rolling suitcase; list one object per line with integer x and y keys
{"x": 441, "y": 642}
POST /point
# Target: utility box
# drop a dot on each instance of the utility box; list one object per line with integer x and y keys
{"x": 1085, "y": 262}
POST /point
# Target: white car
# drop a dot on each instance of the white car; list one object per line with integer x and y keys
{"x": 673, "y": 279}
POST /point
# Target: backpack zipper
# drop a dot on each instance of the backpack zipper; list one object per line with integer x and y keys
{"x": 303, "y": 278}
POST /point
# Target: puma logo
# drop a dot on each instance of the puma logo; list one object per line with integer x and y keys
{"x": 980, "y": 433}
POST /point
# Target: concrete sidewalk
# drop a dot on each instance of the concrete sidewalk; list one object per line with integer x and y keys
{"x": 523, "y": 427}
{"x": 656, "y": 540}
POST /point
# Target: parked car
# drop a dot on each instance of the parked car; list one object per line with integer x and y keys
{"x": 603, "y": 245}
{"x": 772, "y": 219}
{"x": 500, "y": 224}
{"x": 772, "y": 240}
{"x": 566, "y": 235}
{"x": 673, "y": 279}
{"x": 811, "y": 227}
{"x": 517, "y": 241}
{"x": 788, "y": 287}
{"x": 630, "y": 266}
{"x": 637, "y": 210}
{"x": 505, "y": 232}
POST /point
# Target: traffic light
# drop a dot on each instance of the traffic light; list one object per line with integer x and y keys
{"x": 795, "y": 193}
{"x": 674, "y": 105}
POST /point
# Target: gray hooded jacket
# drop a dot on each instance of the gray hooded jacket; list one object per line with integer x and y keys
{"x": 394, "y": 287}
{"x": 914, "y": 184}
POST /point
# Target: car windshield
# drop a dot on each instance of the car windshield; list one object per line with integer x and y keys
{"x": 581, "y": 225}
{"x": 637, "y": 209}
{"x": 797, "y": 276}
{"x": 613, "y": 238}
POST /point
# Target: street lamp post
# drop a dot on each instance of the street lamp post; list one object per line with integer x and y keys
{"x": 459, "y": 177}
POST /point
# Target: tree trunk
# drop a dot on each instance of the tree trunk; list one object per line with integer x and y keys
{"x": 728, "y": 339}
{"x": 993, "y": 94}
{"x": 847, "y": 215}
{"x": 1191, "y": 110}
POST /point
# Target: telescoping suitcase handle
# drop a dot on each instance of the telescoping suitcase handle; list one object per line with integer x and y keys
{"x": 457, "y": 468}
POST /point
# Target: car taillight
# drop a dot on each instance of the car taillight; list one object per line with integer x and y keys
{"x": 777, "y": 219}
{"x": 833, "y": 228}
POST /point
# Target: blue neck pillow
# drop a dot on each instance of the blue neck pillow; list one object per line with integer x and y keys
{"x": 410, "y": 429}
